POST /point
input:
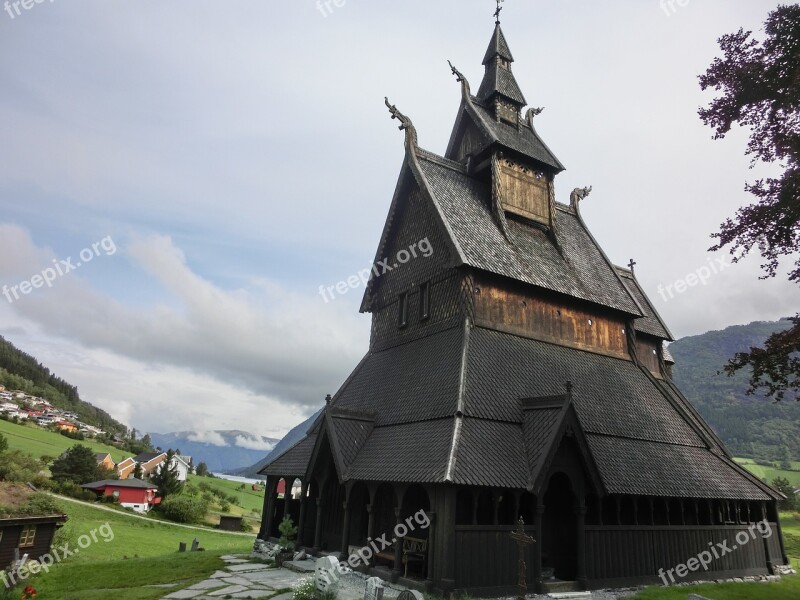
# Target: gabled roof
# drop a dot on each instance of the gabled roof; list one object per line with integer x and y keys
{"x": 122, "y": 483}
{"x": 579, "y": 269}
{"x": 146, "y": 457}
{"x": 651, "y": 323}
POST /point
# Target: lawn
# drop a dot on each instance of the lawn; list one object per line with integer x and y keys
{"x": 770, "y": 473}
{"x": 37, "y": 442}
{"x": 248, "y": 499}
{"x": 137, "y": 553}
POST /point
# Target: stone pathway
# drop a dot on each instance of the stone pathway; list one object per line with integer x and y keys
{"x": 243, "y": 577}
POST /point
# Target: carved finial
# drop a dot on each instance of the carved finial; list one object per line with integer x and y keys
{"x": 328, "y": 400}
{"x": 577, "y": 195}
{"x": 405, "y": 123}
{"x": 497, "y": 12}
{"x": 632, "y": 264}
{"x": 465, "y": 91}
{"x": 532, "y": 114}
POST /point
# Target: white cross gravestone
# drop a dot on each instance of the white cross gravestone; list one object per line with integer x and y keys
{"x": 374, "y": 589}
{"x": 326, "y": 573}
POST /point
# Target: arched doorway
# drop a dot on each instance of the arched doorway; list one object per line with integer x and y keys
{"x": 559, "y": 529}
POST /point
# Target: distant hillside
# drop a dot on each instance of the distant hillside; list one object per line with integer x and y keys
{"x": 21, "y": 371}
{"x": 750, "y": 426}
{"x": 287, "y": 442}
{"x": 222, "y": 451}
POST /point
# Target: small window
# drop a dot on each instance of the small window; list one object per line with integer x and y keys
{"x": 425, "y": 301}
{"x": 27, "y": 536}
{"x": 402, "y": 312}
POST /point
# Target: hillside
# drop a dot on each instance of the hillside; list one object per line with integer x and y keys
{"x": 287, "y": 442}
{"x": 36, "y": 441}
{"x": 21, "y": 371}
{"x": 222, "y": 451}
{"x": 750, "y": 426}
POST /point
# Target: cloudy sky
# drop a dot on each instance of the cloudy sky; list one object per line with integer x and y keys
{"x": 217, "y": 163}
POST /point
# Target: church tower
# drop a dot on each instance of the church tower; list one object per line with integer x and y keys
{"x": 514, "y": 372}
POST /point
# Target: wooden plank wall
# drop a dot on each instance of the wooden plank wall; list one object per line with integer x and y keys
{"x": 626, "y": 552}
{"x": 523, "y": 313}
{"x": 486, "y": 556}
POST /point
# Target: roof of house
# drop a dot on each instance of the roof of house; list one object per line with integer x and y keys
{"x": 122, "y": 483}
{"x": 146, "y": 457}
{"x": 639, "y": 430}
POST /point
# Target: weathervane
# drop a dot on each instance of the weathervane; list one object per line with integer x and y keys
{"x": 497, "y": 12}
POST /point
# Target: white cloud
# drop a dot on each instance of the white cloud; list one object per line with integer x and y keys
{"x": 207, "y": 437}
{"x": 254, "y": 443}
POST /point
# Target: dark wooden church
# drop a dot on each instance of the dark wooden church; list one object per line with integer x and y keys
{"x": 514, "y": 372}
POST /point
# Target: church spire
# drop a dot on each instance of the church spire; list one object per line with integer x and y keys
{"x": 499, "y": 87}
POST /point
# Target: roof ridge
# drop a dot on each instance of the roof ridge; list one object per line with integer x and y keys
{"x": 441, "y": 160}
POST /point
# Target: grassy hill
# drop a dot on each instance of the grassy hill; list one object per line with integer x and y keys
{"x": 141, "y": 553}
{"x": 751, "y": 426}
{"x": 770, "y": 473}
{"x": 21, "y": 371}
{"x": 37, "y": 442}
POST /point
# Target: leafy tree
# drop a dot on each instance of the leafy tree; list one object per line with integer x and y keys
{"x": 147, "y": 441}
{"x": 137, "y": 471}
{"x": 785, "y": 487}
{"x": 78, "y": 465}
{"x": 201, "y": 470}
{"x": 3, "y": 443}
{"x": 760, "y": 85}
{"x": 166, "y": 478}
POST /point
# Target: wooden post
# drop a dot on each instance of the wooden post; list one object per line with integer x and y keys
{"x": 302, "y": 520}
{"x": 523, "y": 541}
{"x": 318, "y": 524}
{"x": 268, "y": 511}
{"x": 287, "y": 495}
{"x": 398, "y": 549}
{"x": 537, "y": 548}
{"x": 580, "y": 517}
{"x": 431, "y": 545}
{"x": 346, "y": 530}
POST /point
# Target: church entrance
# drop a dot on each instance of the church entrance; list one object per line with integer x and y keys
{"x": 559, "y": 529}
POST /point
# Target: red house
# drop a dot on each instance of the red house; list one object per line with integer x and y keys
{"x": 131, "y": 493}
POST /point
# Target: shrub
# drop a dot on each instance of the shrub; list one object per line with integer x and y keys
{"x": 40, "y": 503}
{"x": 224, "y": 506}
{"x": 288, "y": 533}
{"x": 233, "y": 500}
{"x": 183, "y": 509}
{"x": 73, "y": 490}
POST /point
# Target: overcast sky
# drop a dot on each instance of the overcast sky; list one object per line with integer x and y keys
{"x": 227, "y": 159}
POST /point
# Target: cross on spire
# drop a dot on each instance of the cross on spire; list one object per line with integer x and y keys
{"x": 497, "y": 12}
{"x": 632, "y": 264}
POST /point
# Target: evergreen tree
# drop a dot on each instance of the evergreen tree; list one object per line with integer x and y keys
{"x": 137, "y": 471}
{"x": 166, "y": 477}
{"x": 201, "y": 469}
{"x": 78, "y": 465}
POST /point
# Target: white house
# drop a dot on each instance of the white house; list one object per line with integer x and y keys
{"x": 180, "y": 464}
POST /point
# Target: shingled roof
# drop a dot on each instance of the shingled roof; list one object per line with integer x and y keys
{"x": 651, "y": 323}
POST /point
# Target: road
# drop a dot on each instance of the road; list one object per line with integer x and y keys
{"x": 135, "y": 516}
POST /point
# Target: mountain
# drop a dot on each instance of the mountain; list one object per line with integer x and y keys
{"x": 751, "y": 426}
{"x": 222, "y": 451}
{"x": 21, "y": 371}
{"x": 287, "y": 442}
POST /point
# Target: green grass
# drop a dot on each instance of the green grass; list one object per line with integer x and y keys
{"x": 36, "y": 441}
{"x": 770, "y": 473}
{"x": 126, "y": 578}
{"x": 248, "y": 499}
{"x": 139, "y": 553}
{"x": 136, "y": 537}
{"x": 790, "y": 526}
{"x": 788, "y": 588}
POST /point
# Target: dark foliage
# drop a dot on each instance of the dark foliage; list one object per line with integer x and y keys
{"x": 166, "y": 478}
{"x": 78, "y": 465}
{"x": 760, "y": 85}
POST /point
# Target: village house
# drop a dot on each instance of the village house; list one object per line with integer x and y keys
{"x": 514, "y": 374}
{"x": 126, "y": 467}
{"x": 139, "y": 495}
{"x": 104, "y": 460}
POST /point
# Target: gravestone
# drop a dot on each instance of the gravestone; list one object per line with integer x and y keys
{"x": 195, "y": 544}
{"x": 326, "y": 573}
{"x": 374, "y": 589}
{"x": 411, "y": 595}
{"x": 181, "y": 546}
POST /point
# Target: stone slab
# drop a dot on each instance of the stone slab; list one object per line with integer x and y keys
{"x": 234, "y": 589}
{"x": 208, "y": 584}
{"x": 183, "y": 595}
{"x": 248, "y": 567}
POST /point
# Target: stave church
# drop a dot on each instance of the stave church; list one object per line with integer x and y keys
{"x": 515, "y": 373}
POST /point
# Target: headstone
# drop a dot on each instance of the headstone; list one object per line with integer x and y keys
{"x": 195, "y": 544}
{"x": 325, "y": 573}
{"x": 374, "y": 589}
{"x": 181, "y": 546}
{"x": 411, "y": 595}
